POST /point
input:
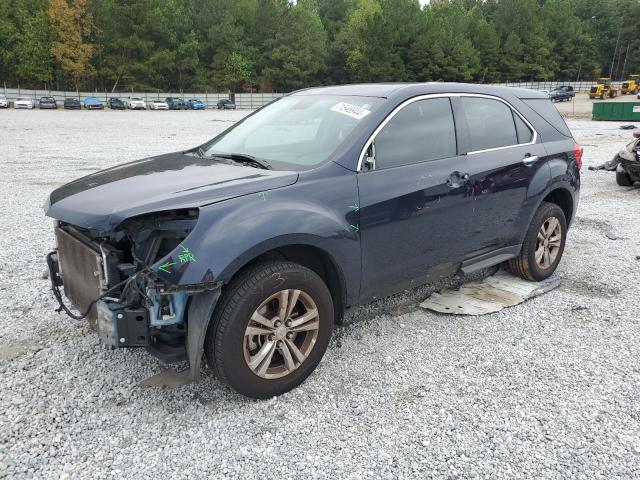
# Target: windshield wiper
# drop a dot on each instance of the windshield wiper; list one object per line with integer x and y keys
{"x": 242, "y": 158}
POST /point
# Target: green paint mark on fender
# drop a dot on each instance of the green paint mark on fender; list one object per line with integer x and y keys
{"x": 263, "y": 195}
{"x": 356, "y": 228}
{"x": 186, "y": 256}
{"x": 355, "y": 207}
{"x": 166, "y": 267}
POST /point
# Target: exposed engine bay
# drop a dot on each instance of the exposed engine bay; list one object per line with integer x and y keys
{"x": 109, "y": 279}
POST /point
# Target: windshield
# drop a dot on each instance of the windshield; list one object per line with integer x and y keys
{"x": 296, "y": 132}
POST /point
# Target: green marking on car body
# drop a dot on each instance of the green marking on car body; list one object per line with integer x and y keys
{"x": 263, "y": 195}
{"x": 186, "y": 256}
{"x": 165, "y": 267}
{"x": 355, "y": 207}
{"x": 356, "y": 228}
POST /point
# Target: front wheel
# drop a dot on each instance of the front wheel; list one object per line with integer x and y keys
{"x": 270, "y": 329}
{"x": 543, "y": 244}
{"x": 622, "y": 177}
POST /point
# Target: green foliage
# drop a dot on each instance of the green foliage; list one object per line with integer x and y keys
{"x": 249, "y": 45}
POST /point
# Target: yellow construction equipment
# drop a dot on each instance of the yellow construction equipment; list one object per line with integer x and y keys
{"x": 632, "y": 85}
{"x": 603, "y": 88}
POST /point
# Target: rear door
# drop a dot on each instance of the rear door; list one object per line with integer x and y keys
{"x": 505, "y": 160}
{"x": 413, "y": 203}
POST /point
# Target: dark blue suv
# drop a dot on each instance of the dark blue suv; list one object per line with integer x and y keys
{"x": 250, "y": 247}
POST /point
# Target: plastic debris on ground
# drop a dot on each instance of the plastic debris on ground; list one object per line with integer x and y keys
{"x": 489, "y": 295}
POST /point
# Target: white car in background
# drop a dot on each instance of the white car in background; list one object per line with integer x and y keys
{"x": 23, "y": 102}
{"x": 158, "y": 105}
{"x": 3, "y": 102}
{"x": 135, "y": 103}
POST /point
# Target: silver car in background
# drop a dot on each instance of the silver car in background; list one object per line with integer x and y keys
{"x": 23, "y": 102}
{"x": 158, "y": 105}
{"x": 135, "y": 103}
{"x": 3, "y": 102}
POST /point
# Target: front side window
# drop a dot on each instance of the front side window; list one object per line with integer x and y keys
{"x": 490, "y": 123}
{"x": 423, "y": 130}
{"x": 295, "y": 132}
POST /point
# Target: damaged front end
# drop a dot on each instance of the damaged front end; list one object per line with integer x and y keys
{"x": 126, "y": 283}
{"x": 629, "y": 159}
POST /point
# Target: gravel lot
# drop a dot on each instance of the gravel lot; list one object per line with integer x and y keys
{"x": 547, "y": 389}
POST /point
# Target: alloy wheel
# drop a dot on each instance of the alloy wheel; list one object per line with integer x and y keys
{"x": 548, "y": 243}
{"x": 281, "y": 334}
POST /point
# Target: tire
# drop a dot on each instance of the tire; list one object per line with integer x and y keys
{"x": 525, "y": 264}
{"x": 229, "y": 351}
{"x": 622, "y": 177}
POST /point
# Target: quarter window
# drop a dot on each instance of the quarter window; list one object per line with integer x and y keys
{"x": 421, "y": 131}
{"x": 524, "y": 132}
{"x": 491, "y": 123}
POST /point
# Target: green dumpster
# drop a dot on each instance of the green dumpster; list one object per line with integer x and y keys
{"x": 619, "y": 111}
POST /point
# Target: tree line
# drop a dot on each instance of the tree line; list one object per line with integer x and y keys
{"x": 281, "y": 45}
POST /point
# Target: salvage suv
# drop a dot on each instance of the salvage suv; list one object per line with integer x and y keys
{"x": 250, "y": 247}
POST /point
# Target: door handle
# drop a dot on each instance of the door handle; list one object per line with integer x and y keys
{"x": 530, "y": 160}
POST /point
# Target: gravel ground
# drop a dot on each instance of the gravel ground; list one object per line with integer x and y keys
{"x": 546, "y": 389}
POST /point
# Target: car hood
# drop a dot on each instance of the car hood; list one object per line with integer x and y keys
{"x": 102, "y": 200}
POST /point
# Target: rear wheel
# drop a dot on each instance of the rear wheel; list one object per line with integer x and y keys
{"x": 270, "y": 329}
{"x": 543, "y": 244}
{"x": 622, "y": 177}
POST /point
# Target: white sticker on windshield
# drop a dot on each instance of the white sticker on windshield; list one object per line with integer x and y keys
{"x": 350, "y": 110}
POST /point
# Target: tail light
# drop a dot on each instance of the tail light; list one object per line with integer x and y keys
{"x": 577, "y": 153}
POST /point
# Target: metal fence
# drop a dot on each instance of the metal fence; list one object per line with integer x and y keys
{"x": 242, "y": 100}
{"x": 579, "y": 87}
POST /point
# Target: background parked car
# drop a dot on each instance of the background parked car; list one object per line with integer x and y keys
{"x": 158, "y": 105}
{"x": 23, "y": 102}
{"x": 115, "y": 104}
{"x": 3, "y": 102}
{"x": 135, "y": 103}
{"x": 561, "y": 94}
{"x": 225, "y": 104}
{"x": 71, "y": 104}
{"x": 195, "y": 104}
{"x": 93, "y": 103}
{"x": 176, "y": 103}
{"x": 47, "y": 103}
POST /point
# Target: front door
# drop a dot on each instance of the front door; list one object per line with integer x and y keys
{"x": 414, "y": 202}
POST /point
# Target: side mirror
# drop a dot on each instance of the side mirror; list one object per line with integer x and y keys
{"x": 636, "y": 134}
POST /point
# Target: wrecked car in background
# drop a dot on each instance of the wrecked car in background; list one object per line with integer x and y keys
{"x": 250, "y": 247}
{"x": 628, "y": 163}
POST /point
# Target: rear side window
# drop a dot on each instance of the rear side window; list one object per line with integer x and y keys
{"x": 546, "y": 110}
{"x": 525, "y": 135}
{"x": 490, "y": 123}
{"x": 421, "y": 131}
